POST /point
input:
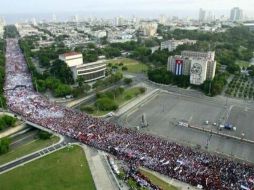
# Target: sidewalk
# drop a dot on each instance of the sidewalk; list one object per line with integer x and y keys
{"x": 100, "y": 175}
{"x": 13, "y": 130}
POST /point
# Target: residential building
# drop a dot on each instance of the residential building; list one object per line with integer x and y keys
{"x": 171, "y": 45}
{"x": 149, "y": 28}
{"x": 236, "y": 14}
{"x": 202, "y": 15}
{"x": 250, "y": 26}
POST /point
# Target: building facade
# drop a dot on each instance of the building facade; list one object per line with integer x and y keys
{"x": 89, "y": 71}
{"x": 171, "y": 45}
{"x": 149, "y": 28}
{"x": 202, "y": 15}
{"x": 200, "y": 66}
{"x": 72, "y": 59}
{"x": 236, "y": 14}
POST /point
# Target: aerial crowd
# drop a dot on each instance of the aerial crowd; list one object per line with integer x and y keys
{"x": 186, "y": 164}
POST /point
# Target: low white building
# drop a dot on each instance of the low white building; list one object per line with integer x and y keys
{"x": 171, "y": 45}
{"x": 72, "y": 59}
{"x": 89, "y": 71}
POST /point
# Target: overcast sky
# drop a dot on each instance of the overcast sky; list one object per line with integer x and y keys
{"x": 125, "y": 6}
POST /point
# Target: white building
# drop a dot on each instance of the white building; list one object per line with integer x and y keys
{"x": 171, "y": 45}
{"x": 202, "y": 15}
{"x": 236, "y": 14}
{"x": 149, "y": 28}
{"x": 2, "y": 23}
{"x": 89, "y": 71}
{"x": 72, "y": 59}
{"x": 200, "y": 66}
{"x": 250, "y": 26}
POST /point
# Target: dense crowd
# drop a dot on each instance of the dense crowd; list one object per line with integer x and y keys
{"x": 138, "y": 149}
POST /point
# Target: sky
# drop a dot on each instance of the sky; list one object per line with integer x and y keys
{"x": 118, "y": 7}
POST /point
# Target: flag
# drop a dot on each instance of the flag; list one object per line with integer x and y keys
{"x": 179, "y": 67}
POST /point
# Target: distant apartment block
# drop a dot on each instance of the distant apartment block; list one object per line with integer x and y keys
{"x": 171, "y": 45}
{"x": 202, "y": 15}
{"x": 236, "y": 14}
{"x": 200, "y": 66}
{"x": 250, "y": 26}
{"x": 149, "y": 28}
{"x": 89, "y": 71}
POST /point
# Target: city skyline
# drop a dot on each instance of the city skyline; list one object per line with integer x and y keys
{"x": 151, "y": 8}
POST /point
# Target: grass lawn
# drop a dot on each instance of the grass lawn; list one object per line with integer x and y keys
{"x": 66, "y": 169}
{"x": 243, "y": 63}
{"x": 27, "y": 149}
{"x": 157, "y": 181}
{"x": 133, "y": 66}
{"x": 127, "y": 95}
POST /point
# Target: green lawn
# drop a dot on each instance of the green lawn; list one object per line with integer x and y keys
{"x": 133, "y": 66}
{"x": 127, "y": 95}
{"x": 243, "y": 63}
{"x": 27, "y": 149}
{"x": 157, "y": 181}
{"x": 66, "y": 169}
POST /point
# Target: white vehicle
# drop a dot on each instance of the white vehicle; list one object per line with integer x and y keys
{"x": 207, "y": 122}
{"x": 183, "y": 124}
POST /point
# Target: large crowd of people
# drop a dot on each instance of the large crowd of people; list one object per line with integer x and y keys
{"x": 138, "y": 149}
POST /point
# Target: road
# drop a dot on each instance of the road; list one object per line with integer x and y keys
{"x": 33, "y": 156}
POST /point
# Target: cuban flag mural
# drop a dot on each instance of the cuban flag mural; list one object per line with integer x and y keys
{"x": 179, "y": 67}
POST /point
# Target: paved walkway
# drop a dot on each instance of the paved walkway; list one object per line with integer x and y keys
{"x": 171, "y": 181}
{"x": 102, "y": 178}
{"x": 13, "y": 130}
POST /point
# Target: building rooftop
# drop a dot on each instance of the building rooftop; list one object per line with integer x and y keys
{"x": 71, "y": 54}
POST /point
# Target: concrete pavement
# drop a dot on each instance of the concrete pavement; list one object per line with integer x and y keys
{"x": 13, "y": 130}
{"x": 102, "y": 178}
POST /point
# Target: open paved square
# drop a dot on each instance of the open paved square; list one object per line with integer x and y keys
{"x": 164, "y": 112}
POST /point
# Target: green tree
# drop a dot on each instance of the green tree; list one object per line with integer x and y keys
{"x": 4, "y": 145}
{"x": 127, "y": 81}
{"x": 44, "y": 135}
{"x": 106, "y": 104}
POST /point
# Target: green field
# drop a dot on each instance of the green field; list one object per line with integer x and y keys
{"x": 243, "y": 63}
{"x": 27, "y": 149}
{"x": 66, "y": 169}
{"x": 157, "y": 181}
{"x": 127, "y": 95}
{"x": 133, "y": 66}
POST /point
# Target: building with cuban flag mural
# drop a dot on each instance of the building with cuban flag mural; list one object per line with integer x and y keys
{"x": 200, "y": 66}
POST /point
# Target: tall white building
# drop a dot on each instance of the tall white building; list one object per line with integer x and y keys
{"x": 162, "y": 19}
{"x": 202, "y": 15}
{"x": 2, "y": 24}
{"x": 236, "y": 14}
